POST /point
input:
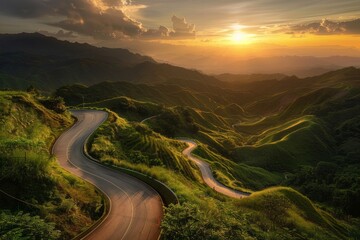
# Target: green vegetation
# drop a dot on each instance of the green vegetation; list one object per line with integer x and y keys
{"x": 119, "y": 139}
{"x": 254, "y": 132}
{"x": 25, "y": 226}
{"x": 317, "y": 152}
{"x": 37, "y": 196}
{"x": 282, "y": 148}
{"x": 275, "y": 213}
{"x": 308, "y": 141}
{"x": 287, "y": 208}
{"x": 237, "y": 176}
{"x": 203, "y": 213}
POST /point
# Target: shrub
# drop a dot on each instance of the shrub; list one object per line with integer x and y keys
{"x": 24, "y": 226}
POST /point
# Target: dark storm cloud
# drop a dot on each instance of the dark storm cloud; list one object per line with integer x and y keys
{"x": 326, "y": 27}
{"x": 102, "y": 19}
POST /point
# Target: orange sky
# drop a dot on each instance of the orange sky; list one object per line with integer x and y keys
{"x": 209, "y": 35}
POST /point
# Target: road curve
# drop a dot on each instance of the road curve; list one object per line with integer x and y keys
{"x": 207, "y": 174}
{"x": 146, "y": 119}
{"x": 135, "y": 208}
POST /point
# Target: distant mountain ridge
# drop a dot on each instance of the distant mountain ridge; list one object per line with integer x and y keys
{"x": 301, "y": 66}
{"x": 243, "y": 78}
{"x": 38, "y": 44}
{"x": 47, "y": 63}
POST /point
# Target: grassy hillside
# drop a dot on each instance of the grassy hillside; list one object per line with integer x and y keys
{"x": 283, "y": 148}
{"x": 296, "y": 132}
{"x": 237, "y": 176}
{"x": 274, "y": 130}
{"x": 34, "y": 189}
{"x": 178, "y": 121}
{"x": 210, "y": 215}
{"x": 119, "y": 139}
{"x": 166, "y": 94}
{"x": 313, "y": 140}
{"x": 279, "y": 126}
{"x": 288, "y": 208}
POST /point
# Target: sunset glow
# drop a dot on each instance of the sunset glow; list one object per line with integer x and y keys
{"x": 178, "y": 32}
{"x": 195, "y": 119}
{"x": 239, "y": 37}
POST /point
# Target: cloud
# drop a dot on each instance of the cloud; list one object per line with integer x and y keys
{"x": 327, "y": 27}
{"x": 161, "y": 32}
{"x": 182, "y": 29}
{"x": 61, "y": 34}
{"x": 101, "y": 19}
{"x": 322, "y": 27}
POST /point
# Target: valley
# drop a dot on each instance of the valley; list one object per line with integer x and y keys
{"x": 264, "y": 157}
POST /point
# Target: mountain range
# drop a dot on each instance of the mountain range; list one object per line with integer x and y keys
{"x": 257, "y": 132}
{"x": 47, "y": 63}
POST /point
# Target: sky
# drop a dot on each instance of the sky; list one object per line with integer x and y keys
{"x": 201, "y": 34}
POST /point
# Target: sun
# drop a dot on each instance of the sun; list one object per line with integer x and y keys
{"x": 238, "y": 37}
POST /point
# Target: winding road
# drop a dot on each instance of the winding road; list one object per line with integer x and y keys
{"x": 205, "y": 169}
{"x": 207, "y": 173}
{"x": 136, "y": 209}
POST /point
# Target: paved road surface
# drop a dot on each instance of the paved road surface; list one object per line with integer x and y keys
{"x": 146, "y": 119}
{"x": 207, "y": 174}
{"x": 136, "y": 209}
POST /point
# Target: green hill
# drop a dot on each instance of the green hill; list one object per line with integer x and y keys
{"x": 119, "y": 139}
{"x": 268, "y": 214}
{"x": 168, "y": 95}
{"x": 287, "y": 208}
{"x": 302, "y": 141}
{"x": 280, "y": 126}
